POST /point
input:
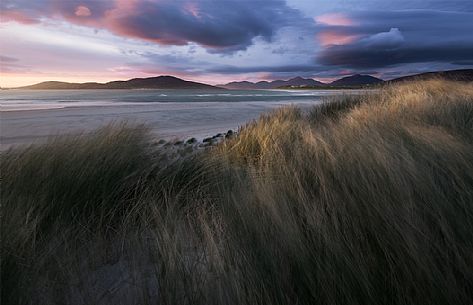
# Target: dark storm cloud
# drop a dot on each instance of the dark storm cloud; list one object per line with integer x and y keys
{"x": 227, "y": 69}
{"x": 463, "y": 63}
{"x": 183, "y": 63}
{"x": 399, "y": 37}
{"x": 221, "y": 26}
{"x": 359, "y": 56}
{"x": 441, "y": 5}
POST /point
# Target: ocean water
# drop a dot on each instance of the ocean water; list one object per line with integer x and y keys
{"x": 32, "y": 116}
{"x": 14, "y": 100}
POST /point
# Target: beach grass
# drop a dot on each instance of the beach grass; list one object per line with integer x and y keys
{"x": 365, "y": 199}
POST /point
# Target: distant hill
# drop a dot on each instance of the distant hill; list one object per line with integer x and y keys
{"x": 171, "y": 82}
{"x": 241, "y": 85}
{"x": 159, "y": 82}
{"x": 64, "y": 85}
{"x": 299, "y": 82}
{"x": 356, "y": 80}
{"x": 353, "y": 81}
{"x": 296, "y": 81}
{"x": 464, "y": 75}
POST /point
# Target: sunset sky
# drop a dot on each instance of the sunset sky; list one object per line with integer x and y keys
{"x": 217, "y": 41}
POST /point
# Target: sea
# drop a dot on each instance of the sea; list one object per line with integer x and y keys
{"x": 33, "y": 116}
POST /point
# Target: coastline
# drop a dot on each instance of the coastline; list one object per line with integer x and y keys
{"x": 169, "y": 121}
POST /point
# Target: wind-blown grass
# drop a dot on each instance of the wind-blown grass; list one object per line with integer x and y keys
{"x": 364, "y": 200}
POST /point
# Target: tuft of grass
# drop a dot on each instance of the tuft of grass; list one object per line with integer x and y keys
{"x": 365, "y": 202}
{"x": 362, "y": 200}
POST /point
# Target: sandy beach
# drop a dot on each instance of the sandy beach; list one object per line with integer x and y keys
{"x": 166, "y": 120}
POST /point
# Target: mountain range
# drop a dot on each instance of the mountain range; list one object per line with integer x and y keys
{"x": 296, "y": 81}
{"x": 158, "y": 82}
{"x": 353, "y": 80}
{"x": 171, "y": 82}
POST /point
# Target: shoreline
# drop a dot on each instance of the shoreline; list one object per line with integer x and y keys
{"x": 168, "y": 121}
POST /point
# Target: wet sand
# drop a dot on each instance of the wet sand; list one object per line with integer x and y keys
{"x": 166, "y": 120}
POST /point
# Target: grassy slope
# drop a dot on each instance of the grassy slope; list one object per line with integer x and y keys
{"x": 365, "y": 200}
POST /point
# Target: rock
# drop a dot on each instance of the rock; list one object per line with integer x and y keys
{"x": 178, "y": 142}
{"x": 191, "y": 141}
{"x": 207, "y": 140}
{"x": 229, "y": 134}
{"x": 162, "y": 141}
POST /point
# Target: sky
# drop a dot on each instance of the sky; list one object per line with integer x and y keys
{"x": 218, "y": 41}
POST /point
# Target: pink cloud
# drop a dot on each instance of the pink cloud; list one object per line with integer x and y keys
{"x": 193, "y": 9}
{"x": 222, "y": 28}
{"x": 327, "y": 38}
{"x": 17, "y": 16}
{"x": 82, "y": 11}
{"x": 334, "y": 19}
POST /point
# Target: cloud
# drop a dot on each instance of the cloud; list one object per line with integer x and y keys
{"x": 200, "y": 38}
{"x": 357, "y": 56}
{"x": 7, "y": 59}
{"x": 82, "y": 11}
{"x": 463, "y": 63}
{"x": 414, "y": 36}
{"x": 11, "y": 65}
{"x": 385, "y": 40}
{"x": 337, "y": 19}
{"x": 229, "y": 69}
{"x": 328, "y": 38}
{"x": 20, "y": 17}
{"x": 220, "y": 26}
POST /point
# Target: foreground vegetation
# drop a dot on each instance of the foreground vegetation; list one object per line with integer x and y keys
{"x": 363, "y": 200}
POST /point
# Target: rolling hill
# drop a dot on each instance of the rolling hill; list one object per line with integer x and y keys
{"x": 296, "y": 81}
{"x": 158, "y": 82}
{"x": 299, "y": 82}
{"x": 464, "y": 75}
{"x": 356, "y": 80}
{"x": 353, "y": 81}
{"x": 171, "y": 82}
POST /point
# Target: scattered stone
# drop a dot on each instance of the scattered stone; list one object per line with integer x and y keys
{"x": 229, "y": 134}
{"x": 191, "y": 141}
{"x": 162, "y": 141}
{"x": 178, "y": 142}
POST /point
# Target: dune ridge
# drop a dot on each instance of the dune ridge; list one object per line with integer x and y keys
{"x": 363, "y": 200}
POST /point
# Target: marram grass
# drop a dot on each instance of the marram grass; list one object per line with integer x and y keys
{"x": 362, "y": 200}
